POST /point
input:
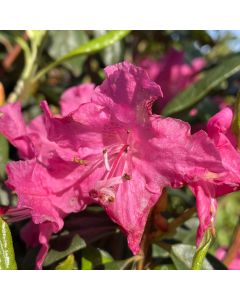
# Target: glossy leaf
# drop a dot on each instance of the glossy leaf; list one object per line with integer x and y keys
{"x": 53, "y": 256}
{"x": 90, "y": 47}
{"x": 201, "y": 252}
{"x": 92, "y": 257}
{"x": 210, "y": 79}
{"x": 63, "y": 41}
{"x": 7, "y": 256}
{"x": 67, "y": 264}
{"x": 116, "y": 265}
{"x": 182, "y": 256}
{"x": 236, "y": 121}
{"x": 4, "y": 153}
{"x": 124, "y": 264}
{"x": 112, "y": 54}
{"x": 165, "y": 267}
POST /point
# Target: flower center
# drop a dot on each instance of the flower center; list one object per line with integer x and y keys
{"x": 105, "y": 189}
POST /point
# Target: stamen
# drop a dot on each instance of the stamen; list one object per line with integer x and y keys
{"x": 79, "y": 161}
{"x": 126, "y": 176}
{"x": 123, "y": 150}
{"x": 106, "y": 161}
{"x": 105, "y": 195}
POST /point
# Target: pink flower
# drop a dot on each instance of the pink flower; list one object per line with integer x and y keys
{"x": 172, "y": 73}
{"x": 112, "y": 150}
{"x": 235, "y": 264}
{"x": 130, "y": 153}
{"x": 219, "y": 130}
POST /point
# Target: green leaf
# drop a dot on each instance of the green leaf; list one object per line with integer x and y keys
{"x": 182, "y": 256}
{"x": 4, "y": 152}
{"x": 236, "y": 121}
{"x": 112, "y": 54}
{"x": 7, "y": 256}
{"x": 53, "y": 256}
{"x": 67, "y": 264}
{"x": 165, "y": 267}
{"x": 116, "y": 265}
{"x": 64, "y": 41}
{"x": 92, "y": 257}
{"x": 36, "y": 36}
{"x": 90, "y": 47}
{"x": 121, "y": 264}
{"x": 210, "y": 79}
{"x": 201, "y": 252}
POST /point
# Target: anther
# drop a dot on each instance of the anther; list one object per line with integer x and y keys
{"x": 126, "y": 176}
{"x": 79, "y": 161}
{"x": 126, "y": 149}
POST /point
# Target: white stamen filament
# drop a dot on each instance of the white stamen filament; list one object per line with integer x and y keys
{"x": 106, "y": 161}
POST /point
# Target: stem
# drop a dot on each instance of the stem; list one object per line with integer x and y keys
{"x": 130, "y": 260}
{"x": 234, "y": 248}
{"x": 145, "y": 245}
{"x": 13, "y": 54}
{"x": 25, "y": 83}
{"x": 2, "y": 94}
{"x": 174, "y": 224}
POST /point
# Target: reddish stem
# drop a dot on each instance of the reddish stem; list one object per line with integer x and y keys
{"x": 13, "y": 54}
{"x": 234, "y": 248}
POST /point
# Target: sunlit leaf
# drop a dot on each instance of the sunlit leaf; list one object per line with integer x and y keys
{"x": 202, "y": 250}
{"x": 112, "y": 54}
{"x": 92, "y": 257}
{"x": 63, "y": 41}
{"x": 201, "y": 88}
{"x": 90, "y": 47}
{"x": 67, "y": 264}
{"x": 182, "y": 256}
{"x": 4, "y": 152}
{"x": 7, "y": 256}
{"x": 53, "y": 256}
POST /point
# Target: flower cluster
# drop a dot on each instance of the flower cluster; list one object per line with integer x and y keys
{"x": 107, "y": 147}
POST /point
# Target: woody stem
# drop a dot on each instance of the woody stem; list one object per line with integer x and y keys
{"x": 145, "y": 245}
{"x": 234, "y": 248}
{"x": 158, "y": 208}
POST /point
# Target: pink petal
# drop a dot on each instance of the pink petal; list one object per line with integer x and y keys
{"x": 172, "y": 73}
{"x": 13, "y": 127}
{"x": 74, "y": 96}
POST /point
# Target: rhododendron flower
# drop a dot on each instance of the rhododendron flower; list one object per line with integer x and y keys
{"x": 235, "y": 264}
{"x": 172, "y": 73}
{"x": 219, "y": 130}
{"x": 131, "y": 154}
{"x": 112, "y": 150}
